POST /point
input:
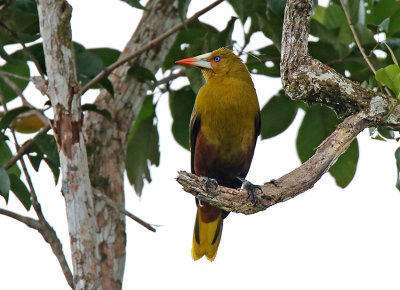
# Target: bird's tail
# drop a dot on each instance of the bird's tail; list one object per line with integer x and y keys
{"x": 207, "y": 231}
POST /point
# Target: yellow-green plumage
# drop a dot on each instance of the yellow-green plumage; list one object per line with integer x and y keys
{"x": 223, "y": 130}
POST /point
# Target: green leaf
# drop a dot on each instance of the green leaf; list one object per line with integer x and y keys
{"x": 394, "y": 24}
{"x": 141, "y": 74}
{"x": 135, "y": 4}
{"x": 22, "y": 31}
{"x": 317, "y": 124}
{"x": 194, "y": 39}
{"x": 182, "y": 4}
{"x": 20, "y": 191}
{"x": 36, "y": 50}
{"x": 107, "y": 55}
{"x": 6, "y": 120}
{"x": 181, "y": 103}
{"x": 345, "y": 167}
{"x": 143, "y": 146}
{"x": 5, "y": 156}
{"x": 397, "y": 156}
{"x": 266, "y": 62}
{"x": 92, "y": 107}
{"x": 4, "y": 183}
{"x": 105, "y": 83}
{"x": 277, "y": 6}
{"x": 196, "y": 79}
{"x": 334, "y": 16}
{"x": 245, "y": 8}
{"x": 88, "y": 65}
{"x": 277, "y": 115}
{"x": 223, "y": 38}
{"x": 271, "y": 25}
{"x": 387, "y": 134}
{"x": 390, "y": 77}
{"x": 382, "y": 10}
{"x": 17, "y": 68}
{"x": 45, "y": 149}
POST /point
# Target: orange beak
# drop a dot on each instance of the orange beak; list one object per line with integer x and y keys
{"x": 200, "y": 61}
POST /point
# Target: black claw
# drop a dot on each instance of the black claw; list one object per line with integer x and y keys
{"x": 251, "y": 189}
{"x": 210, "y": 183}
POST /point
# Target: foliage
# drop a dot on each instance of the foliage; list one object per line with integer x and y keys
{"x": 332, "y": 43}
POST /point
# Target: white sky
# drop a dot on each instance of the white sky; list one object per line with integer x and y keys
{"x": 326, "y": 238}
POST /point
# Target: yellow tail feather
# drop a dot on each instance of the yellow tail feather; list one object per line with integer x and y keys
{"x": 206, "y": 237}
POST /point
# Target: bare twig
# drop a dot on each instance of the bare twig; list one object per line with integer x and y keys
{"x": 30, "y": 222}
{"x": 155, "y": 42}
{"x": 353, "y": 31}
{"x": 361, "y": 49}
{"x": 117, "y": 207}
{"x": 15, "y": 76}
{"x": 171, "y": 77}
{"x": 48, "y": 234}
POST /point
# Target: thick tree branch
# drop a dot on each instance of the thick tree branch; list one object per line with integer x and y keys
{"x": 305, "y": 78}
{"x": 289, "y": 185}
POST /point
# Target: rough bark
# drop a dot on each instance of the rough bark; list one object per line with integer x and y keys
{"x": 109, "y": 140}
{"x": 307, "y": 79}
{"x": 286, "y": 187}
{"x": 55, "y": 30}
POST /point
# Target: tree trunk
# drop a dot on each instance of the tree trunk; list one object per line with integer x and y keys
{"x": 109, "y": 140}
{"x": 62, "y": 89}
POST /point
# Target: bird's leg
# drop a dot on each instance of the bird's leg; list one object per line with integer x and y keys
{"x": 251, "y": 189}
{"x": 209, "y": 183}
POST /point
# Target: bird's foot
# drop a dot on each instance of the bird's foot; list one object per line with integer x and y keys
{"x": 251, "y": 189}
{"x": 209, "y": 183}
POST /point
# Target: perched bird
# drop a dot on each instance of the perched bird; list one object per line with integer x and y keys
{"x": 224, "y": 127}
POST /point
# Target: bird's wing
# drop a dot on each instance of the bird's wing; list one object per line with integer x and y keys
{"x": 194, "y": 127}
{"x": 257, "y": 125}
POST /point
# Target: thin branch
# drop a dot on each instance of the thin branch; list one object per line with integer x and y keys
{"x": 15, "y": 76}
{"x": 356, "y": 37}
{"x": 48, "y": 234}
{"x": 360, "y": 48}
{"x": 154, "y": 43}
{"x": 171, "y": 77}
{"x": 117, "y": 207}
{"x": 30, "y": 222}
{"x": 46, "y": 230}
{"x": 24, "y": 149}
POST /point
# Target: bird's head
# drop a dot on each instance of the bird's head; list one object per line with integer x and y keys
{"x": 221, "y": 62}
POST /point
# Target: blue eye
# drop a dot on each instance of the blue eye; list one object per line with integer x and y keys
{"x": 217, "y": 59}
